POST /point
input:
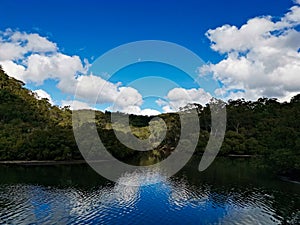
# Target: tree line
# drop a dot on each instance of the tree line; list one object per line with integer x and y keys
{"x": 33, "y": 129}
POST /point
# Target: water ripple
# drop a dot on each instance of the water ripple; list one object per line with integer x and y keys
{"x": 178, "y": 200}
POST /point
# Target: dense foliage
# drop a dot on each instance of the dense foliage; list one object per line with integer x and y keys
{"x": 34, "y": 129}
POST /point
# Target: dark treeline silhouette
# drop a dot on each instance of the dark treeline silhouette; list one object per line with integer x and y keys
{"x": 32, "y": 129}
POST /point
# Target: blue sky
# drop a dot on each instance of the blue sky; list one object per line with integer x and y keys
{"x": 88, "y": 29}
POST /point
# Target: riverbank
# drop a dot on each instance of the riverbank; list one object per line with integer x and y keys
{"x": 241, "y": 156}
{"x": 48, "y": 162}
{"x": 74, "y": 162}
{"x": 291, "y": 176}
{"x": 41, "y": 162}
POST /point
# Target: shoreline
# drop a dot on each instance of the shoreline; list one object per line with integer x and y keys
{"x": 47, "y": 162}
{"x": 41, "y": 162}
{"x": 240, "y": 156}
{"x": 287, "y": 178}
{"x": 78, "y": 162}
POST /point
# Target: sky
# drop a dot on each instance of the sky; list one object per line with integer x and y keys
{"x": 249, "y": 49}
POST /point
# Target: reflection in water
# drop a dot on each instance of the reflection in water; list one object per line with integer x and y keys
{"x": 213, "y": 197}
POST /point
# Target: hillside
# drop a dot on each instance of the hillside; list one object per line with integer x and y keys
{"x": 32, "y": 129}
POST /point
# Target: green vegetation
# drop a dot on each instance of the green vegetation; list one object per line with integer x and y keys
{"x": 31, "y": 128}
{"x": 34, "y": 129}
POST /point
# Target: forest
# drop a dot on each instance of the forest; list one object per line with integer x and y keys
{"x": 33, "y": 129}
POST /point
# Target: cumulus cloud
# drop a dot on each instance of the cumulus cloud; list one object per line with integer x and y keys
{"x": 33, "y": 58}
{"x": 94, "y": 89}
{"x": 261, "y": 57}
{"x": 40, "y": 94}
{"x": 180, "y": 97}
{"x": 138, "y": 111}
{"x": 148, "y": 112}
{"x": 14, "y": 45}
{"x": 128, "y": 96}
{"x": 13, "y": 69}
{"x": 11, "y": 51}
{"x": 297, "y": 2}
{"x": 32, "y": 42}
{"x": 75, "y": 104}
{"x": 57, "y": 66}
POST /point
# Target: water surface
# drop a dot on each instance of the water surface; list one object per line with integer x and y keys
{"x": 231, "y": 191}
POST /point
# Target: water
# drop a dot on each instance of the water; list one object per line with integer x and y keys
{"x": 231, "y": 191}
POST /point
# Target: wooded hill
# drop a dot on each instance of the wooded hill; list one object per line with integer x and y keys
{"x": 32, "y": 129}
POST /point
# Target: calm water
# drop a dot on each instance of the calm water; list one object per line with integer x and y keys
{"x": 229, "y": 192}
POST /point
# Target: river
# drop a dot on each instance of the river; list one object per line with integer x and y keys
{"x": 231, "y": 191}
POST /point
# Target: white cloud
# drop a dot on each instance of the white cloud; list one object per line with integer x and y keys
{"x": 228, "y": 38}
{"x": 297, "y": 2}
{"x": 292, "y": 16}
{"x": 11, "y": 51}
{"x": 149, "y": 112}
{"x": 75, "y": 105}
{"x": 94, "y": 89}
{"x": 128, "y": 96}
{"x": 30, "y": 57}
{"x": 180, "y": 97}
{"x": 33, "y": 58}
{"x": 14, "y": 45}
{"x": 138, "y": 111}
{"x": 261, "y": 57}
{"x": 57, "y": 66}
{"x": 40, "y": 94}
{"x": 14, "y": 69}
{"x": 88, "y": 87}
{"x": 33, "y": 42}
